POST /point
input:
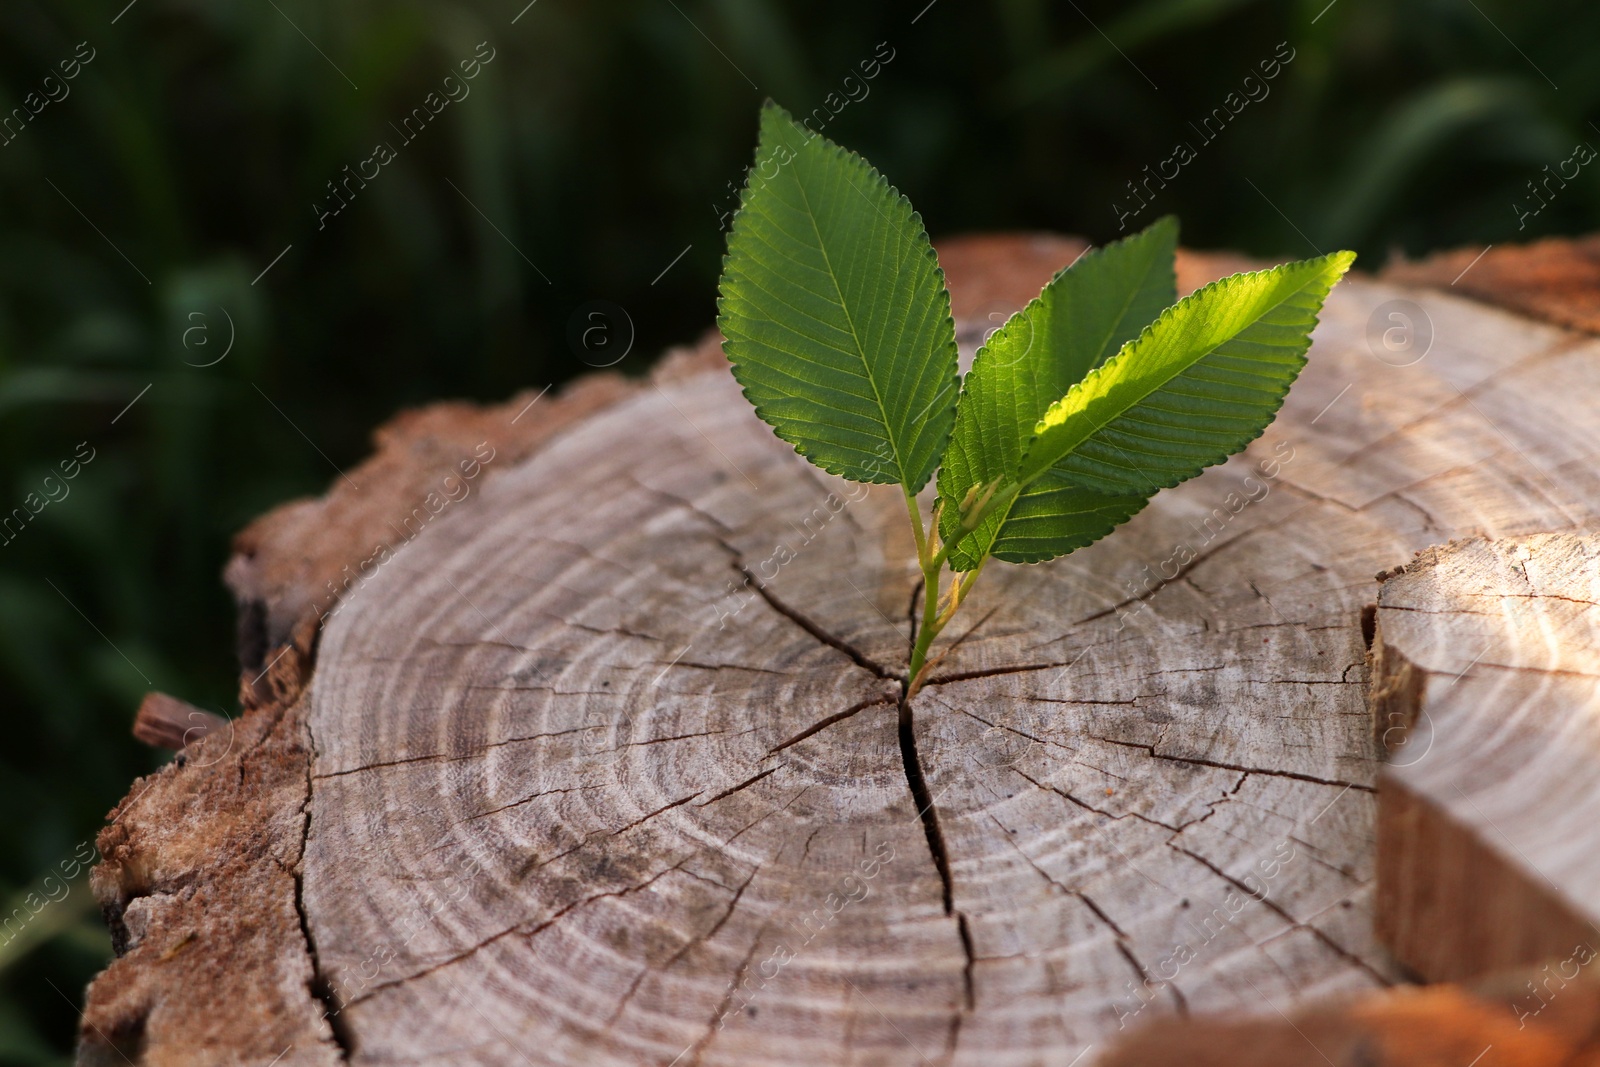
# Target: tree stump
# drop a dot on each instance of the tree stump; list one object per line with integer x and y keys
{"x": 574, "y": 731}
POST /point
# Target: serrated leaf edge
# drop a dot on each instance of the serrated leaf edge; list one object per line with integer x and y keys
{"x": 1110, "y": 365}
{"x": 944, "y": 289}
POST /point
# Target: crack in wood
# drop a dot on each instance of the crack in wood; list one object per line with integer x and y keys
{"x": 685, "y": 504}
{"x": 923, "y": 804}
{"x": 914, "y": 615}
{"x": 1086, "y": 806}
{"x": 441, "y": 758}
{"x": 804, "y": 622}
{"x": 950, "y": 649}
{"x": 633, "y": 987}
{"x": 990, "y": 672}
{"x": 836, "y": 717}
{"x": 1211, "y": 808}
{"x": 1293, "y": 923}
{"x": 966, "y": 970}
{"x": 752, "y": 780}
{"x": 666, "y": 740}
{"x": 1311, "y": 854}
{"x": 922, "y": 800}
{"x": 603, "y": 631}
{"x": 1267, "y": 771}
{"x": 535, "y": 863}
{"x": 697, "y": 665}
{"x": 1182, "y": 575}
{"x": 1462, "y": 398}
{"x": 320, "y": 988}
{"x": 1119, "y": 936}
{"x": 521, "y": 928}
{"x": 529, "y": 799}
{"x": 712, "y": 1029}
{"x": 764, "y": 817}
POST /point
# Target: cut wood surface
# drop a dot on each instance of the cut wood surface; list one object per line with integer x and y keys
{"x": 604, "y": 763}
{"x": 1486, "y": 700}
{"x": 1487, "y": 693}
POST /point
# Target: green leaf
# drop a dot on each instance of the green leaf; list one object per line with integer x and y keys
{"x": 1084, "y": 316}
{"x": 1051, "y": 517}
{"x": 835, "y": 312}
{"x": 1197, "y": 386}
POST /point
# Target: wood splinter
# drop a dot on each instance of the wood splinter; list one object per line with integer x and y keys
{"x": 166, "y": 722}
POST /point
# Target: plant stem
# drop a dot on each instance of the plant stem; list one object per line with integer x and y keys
{"x": 1002, "y": 499}
{"x": 930, "y": 628}
{"x": 933, "y": 624}
{"x": 932, "y": 556}
{"x": 916, "y": 528}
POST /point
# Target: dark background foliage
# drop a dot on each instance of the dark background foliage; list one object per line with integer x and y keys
{"x": 599, "y": 144}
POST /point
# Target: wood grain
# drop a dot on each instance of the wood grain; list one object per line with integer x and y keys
{"x": 578, "y": 794}
{"x": 1487, "y": 679}
{"x": 558, "y": 787}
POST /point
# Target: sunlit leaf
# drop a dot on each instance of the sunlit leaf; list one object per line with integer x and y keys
{"x": 1197, "y": 386}
{"x": 1083, "y": 317}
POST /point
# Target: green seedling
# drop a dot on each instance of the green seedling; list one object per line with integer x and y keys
{"x": 1105, "y": 389}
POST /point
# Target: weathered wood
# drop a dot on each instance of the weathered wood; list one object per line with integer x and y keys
{"x": 200, "y": 879}
{"x": 1486, "y": 685}
{"x": 580, "y": 795}
{"x": 1485, "y": 694}
{"x": 579, "y": 810}
{"x": 198, "y": 885}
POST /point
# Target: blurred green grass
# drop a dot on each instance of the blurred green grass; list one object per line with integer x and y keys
{"x": 598, "y": 145}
